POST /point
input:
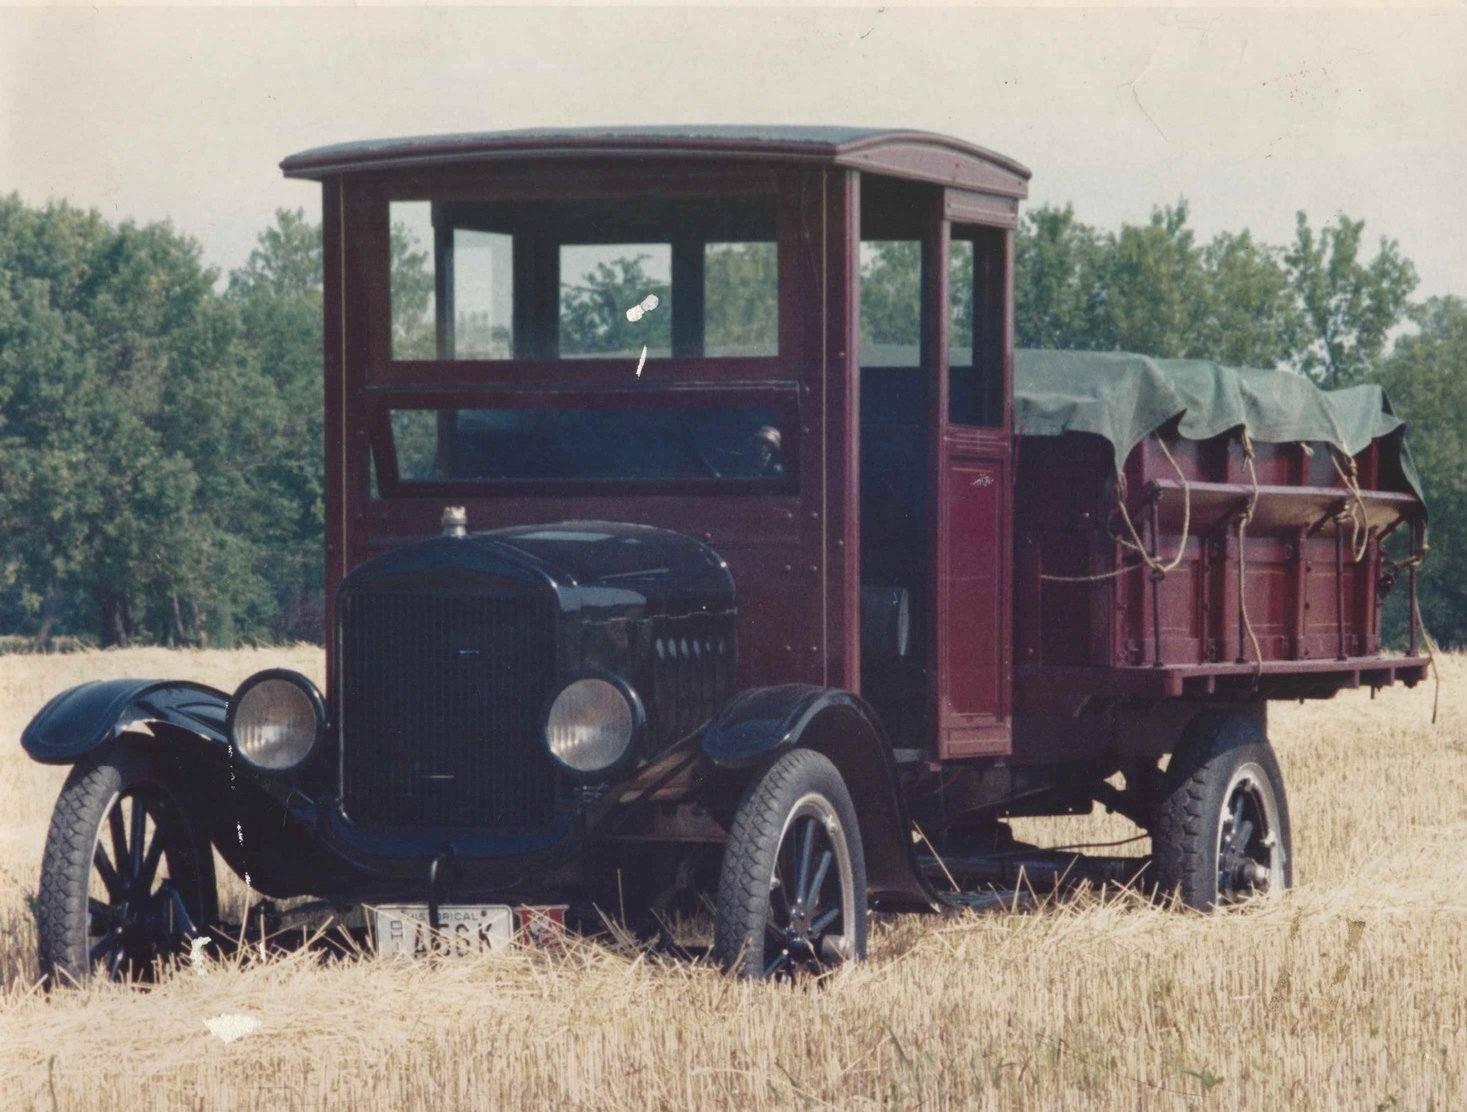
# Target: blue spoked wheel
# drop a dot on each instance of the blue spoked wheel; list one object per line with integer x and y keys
{"x": 126, "y": 881}
{"x": 792, "y": 890}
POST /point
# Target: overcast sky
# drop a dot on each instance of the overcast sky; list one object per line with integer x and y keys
{"x": 1249, "y": 114}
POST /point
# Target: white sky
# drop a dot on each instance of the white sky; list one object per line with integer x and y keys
{"x": 1251, "y": 114}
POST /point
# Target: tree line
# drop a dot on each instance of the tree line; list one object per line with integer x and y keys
{"x": 161, "y": 425}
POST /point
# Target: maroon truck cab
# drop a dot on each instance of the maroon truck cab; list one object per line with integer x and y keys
{"x": 888, "y": 477}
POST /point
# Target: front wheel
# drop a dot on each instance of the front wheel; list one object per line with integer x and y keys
{"x": 792, "y": 889}
{"x": 127, "y": 879}
{"x": 1222, "y": 832}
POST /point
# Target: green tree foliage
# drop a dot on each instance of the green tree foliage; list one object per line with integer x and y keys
{"x": 593, "y": 310}
{"x": 414, "y": 328}
{"x": 1152, "y": 288}
{"x": 741, "y": 299}
{"x": 1060, "y": 283}
{"x": 891, "y": 299}
{"x": 161, "y": 436}
{"x": 1251, "y": 317}
{"x": 1350, "y": 306}
{"x": 277, "y": 295}
{"x": 891, "y": 285}
{"x": 1426, "y": 378}
{"x": 1156, "y": 292}
{"x": 128, "y": 408}
{"x": 161, "y": 440}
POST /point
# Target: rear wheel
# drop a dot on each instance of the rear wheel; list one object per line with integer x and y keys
{"x": 1222, "y": 833}
{"x": 126, "y": 880}
{"x": 792, "y": 889}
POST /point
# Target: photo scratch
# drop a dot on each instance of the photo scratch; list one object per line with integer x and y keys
{"x": 196, "y": 955}
{"x": 636, "y": 313}
{"x": 230, "y": 1027}
{"x": 642, "y": 308}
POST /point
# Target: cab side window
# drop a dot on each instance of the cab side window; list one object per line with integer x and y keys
{"x": 891, "y": 303}
{"x": 976, "y": 315}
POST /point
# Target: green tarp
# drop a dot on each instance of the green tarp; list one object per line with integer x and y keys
{"x": 1124, "y": 398}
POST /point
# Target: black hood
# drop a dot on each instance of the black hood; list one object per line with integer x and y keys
{"x": 591, "y": 566}
{"x": 450, "y": 651}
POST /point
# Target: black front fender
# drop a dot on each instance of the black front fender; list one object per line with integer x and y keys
{"x": 262, "y": 825}
{"x": 87, "y": 717}
{"x": 757, "y": 726}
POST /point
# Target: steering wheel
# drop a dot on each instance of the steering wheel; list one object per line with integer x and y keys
{"x": 738, "y": 449}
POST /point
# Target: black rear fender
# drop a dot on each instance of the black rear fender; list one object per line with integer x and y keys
{"x": 758, "y": 726}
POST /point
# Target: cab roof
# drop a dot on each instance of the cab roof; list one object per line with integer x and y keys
{"x": 918, "y": 155}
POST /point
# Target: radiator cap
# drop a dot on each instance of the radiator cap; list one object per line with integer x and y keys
{"x": 455, "y": 521}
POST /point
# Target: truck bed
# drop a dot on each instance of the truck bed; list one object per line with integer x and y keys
{"x": 1093, "y": 621}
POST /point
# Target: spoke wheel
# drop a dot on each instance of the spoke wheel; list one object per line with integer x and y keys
{"x": 810, "y": 893}
{"x": 792, "y": 893}
{"x": 134, "y": 915}
{"x": 126, "y": 882}
{"x": 1222, "y": 831}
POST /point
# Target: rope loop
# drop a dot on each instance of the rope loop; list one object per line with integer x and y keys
{"x": 1245, "y": 517}
{"x": 1134, "y": 543}
{"x": 1248, "y": 458}
{"x": 1355, "y": 512}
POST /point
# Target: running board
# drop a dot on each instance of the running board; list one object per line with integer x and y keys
{"x": 991, "y": 900}
{"x": 1031, "y": 870}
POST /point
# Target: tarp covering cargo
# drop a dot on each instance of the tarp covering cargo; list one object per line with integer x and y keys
{"x": 1123, "y": 398}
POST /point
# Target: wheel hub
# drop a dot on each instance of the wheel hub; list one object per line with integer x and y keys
{"x": 141, "y": 917}
{"x": 809, "y": 893}
{"x": 1246, "y": 841}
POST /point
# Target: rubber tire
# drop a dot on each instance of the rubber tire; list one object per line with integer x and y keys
{"x": 1184, "y": 836}
{"x": 66, "y": 867}
{"x": 753, "y": 842}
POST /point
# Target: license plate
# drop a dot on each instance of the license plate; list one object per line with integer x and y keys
{"x": 465, "y": 929}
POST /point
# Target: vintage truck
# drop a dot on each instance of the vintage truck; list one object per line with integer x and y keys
{"x": 687, "y": 535}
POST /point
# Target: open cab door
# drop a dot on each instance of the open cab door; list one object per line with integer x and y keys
{"x": 937, "y": 462}
{"x": 967, "y": 313}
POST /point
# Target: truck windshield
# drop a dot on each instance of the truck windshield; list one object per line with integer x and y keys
{"x": 652, "y": 444}
{"x": 554, "y": 279}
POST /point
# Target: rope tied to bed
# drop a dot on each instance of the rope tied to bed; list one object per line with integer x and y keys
{"x": 1355, "y": 512}
{"x": 1244, "y": 518}
{"x": 1393, "y": 568}
{"x": 1133, "y": 542}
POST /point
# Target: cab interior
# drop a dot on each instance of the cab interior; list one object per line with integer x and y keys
{"x": 899, "y": 385}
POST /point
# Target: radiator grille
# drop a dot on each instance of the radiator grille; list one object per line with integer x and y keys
{"x": 692, "y": 673}
{"x": 442, "y": 698}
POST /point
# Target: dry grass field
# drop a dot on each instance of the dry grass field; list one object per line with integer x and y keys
{"x": 1350, "y": 992}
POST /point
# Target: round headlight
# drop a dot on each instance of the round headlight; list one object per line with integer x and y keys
{"x": 590, "y": 725}
{"x": 275, "y": 719}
